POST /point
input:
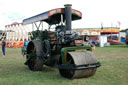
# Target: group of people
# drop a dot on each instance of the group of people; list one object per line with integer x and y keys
{"x": 4, "y": 46}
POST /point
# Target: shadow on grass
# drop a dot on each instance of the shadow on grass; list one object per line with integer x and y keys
{"x": 47, "y": 73}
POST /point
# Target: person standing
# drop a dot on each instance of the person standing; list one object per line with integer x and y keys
{"x": 26, "y": 44}
{"x": 93, "y": 44}
{"x": 3, "y": 47}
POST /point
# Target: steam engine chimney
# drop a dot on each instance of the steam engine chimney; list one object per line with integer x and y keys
{"x": 68, "y": 16}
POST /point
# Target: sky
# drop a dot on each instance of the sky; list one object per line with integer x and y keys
{"x": 109, "y": 13}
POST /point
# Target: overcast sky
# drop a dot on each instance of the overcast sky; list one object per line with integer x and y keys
{"x": 94, "y": 12}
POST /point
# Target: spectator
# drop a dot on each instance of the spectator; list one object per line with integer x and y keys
{"x": 26, "y": 44}
{"x": 93, "y": 42}
{"x": 93, "y": 45}
{"x": 89, "y": 42}
{"x": 3, "y": 47}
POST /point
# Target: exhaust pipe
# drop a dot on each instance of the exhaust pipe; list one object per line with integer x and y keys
{"x": 68, "y": 16}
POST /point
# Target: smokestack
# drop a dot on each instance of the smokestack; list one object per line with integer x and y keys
{"x": 68, "y": 16}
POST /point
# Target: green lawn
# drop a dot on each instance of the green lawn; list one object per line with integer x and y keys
{"x": 114, "y": 69}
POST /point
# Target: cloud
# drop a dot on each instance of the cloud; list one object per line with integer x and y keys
{"x": 8, "y": 18}
{"x": 93, "y": 11}
{"x": 14, "y": 16}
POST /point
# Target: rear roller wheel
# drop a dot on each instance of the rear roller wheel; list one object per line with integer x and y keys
{"x": 78, "y": 58}
{"x": 34, "y": 62}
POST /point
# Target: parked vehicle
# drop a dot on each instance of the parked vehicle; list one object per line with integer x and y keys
{"x": 62, "y": 48}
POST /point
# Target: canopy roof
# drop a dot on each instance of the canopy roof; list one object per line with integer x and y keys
{"x": 52, "y": 16}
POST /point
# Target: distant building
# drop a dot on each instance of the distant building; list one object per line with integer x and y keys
{"x": 94, "y": 33}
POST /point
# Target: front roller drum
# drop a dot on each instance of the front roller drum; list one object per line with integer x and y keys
{"x": 79, "y": 64}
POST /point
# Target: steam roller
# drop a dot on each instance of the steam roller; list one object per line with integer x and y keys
{"x": 62, "y": 48}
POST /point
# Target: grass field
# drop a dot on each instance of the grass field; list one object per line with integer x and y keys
{"x": 114, "y": 69}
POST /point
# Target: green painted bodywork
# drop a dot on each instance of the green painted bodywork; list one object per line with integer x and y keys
{"x": 65, "y": 50}
{"x": 47, "y": 35}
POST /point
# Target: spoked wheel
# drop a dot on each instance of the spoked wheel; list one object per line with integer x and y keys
{"x": 78, "y": 58}
{"x": 34, "y": 62}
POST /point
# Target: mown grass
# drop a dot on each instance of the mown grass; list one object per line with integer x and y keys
{"x": 114, "y": 69}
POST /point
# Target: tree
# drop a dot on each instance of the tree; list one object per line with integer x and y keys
{"x": 125, "y": 30}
